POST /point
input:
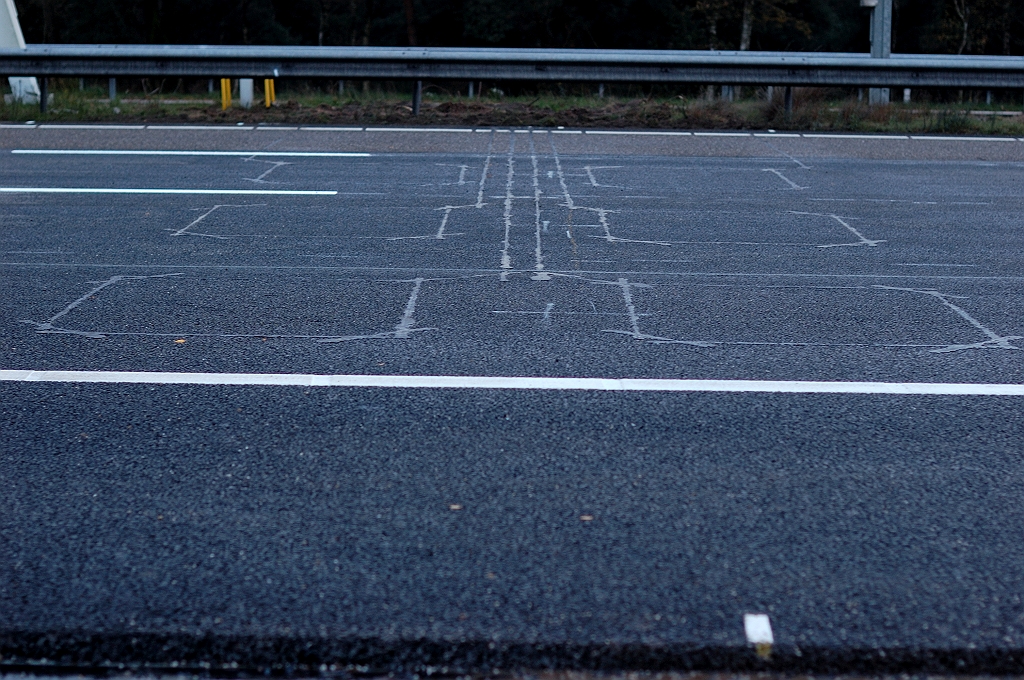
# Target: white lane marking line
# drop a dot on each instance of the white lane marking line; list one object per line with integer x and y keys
{"x": 758, "y": 629}
{"x": 839, "y": 136}
{"x": 122, "y": 152}
{"x": 722, "y": 134}
{"x": 405, "y": 129}
{"x": 92, "y": 127}
{"x": 233, "y": 192}
{"x": 964, "y": 139}
{"x": 516, "y": 383}
{"x": 332, "y": 129}
{"x": 776, "y": 134}
{"x": 566, "y": 132}
{"x": 791, "y": 183}
{"x": 654, "y": 133}
{"x": 200, "y": 127}
{"x": 273, "y": 127}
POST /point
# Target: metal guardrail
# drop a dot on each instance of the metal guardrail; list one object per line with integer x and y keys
{"x": 440, "y": 63}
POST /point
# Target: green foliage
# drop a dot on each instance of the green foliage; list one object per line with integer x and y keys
{"x": 950, "y": 26}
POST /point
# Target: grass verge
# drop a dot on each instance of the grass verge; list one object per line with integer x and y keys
{"x": 812, "y": 112}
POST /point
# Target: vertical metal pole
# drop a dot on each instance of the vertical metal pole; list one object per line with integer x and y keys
{"x": 881, "y": 44}
{"x": 600, "y": 91}
{"x": 789, "y": 101}
{"x": 341, "y": 88}
{"x": 471, "y": 89}
{"x": 417, "y": 97}
{"x": 112, "y": 89}
{"x": 44, "y": 94}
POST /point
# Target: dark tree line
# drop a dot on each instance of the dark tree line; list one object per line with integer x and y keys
{"x": 944, "y": 26}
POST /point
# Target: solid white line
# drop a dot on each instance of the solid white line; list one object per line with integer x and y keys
{"x": 333, "y": 129}
{"x": 408, "y": 129}
{"x": 963, "y": 139}
{"x": 829, "y": 136}
{"x": 515, "y": 383}
{"x": 273, "y": 127}
{"x": 123, "y": 152}
{"x": 653, "y": 133}
{"x": 776, "y": 134}
{"x": 90, "y": 127}
{"x": 722, "y": 134}
{"x": 88, "y": 190}
{"x": 200, "y": 127}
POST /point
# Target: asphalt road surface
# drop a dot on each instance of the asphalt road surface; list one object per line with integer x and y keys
{"x": 806, "y": 452}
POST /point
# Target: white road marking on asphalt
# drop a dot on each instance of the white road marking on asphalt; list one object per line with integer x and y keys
{"x": 184, "y": 231}
{"x": 405, "y": 129}
{"x": 506, "y": 260}
{"x": 722, "y": 134}
{"x": 791, "y": 183}
{"x": 871, "y": 243}
{"x": 403, "y": 329}
{"x": 994, "y": 339}
{"x": 758, "y": 629}
{"x": 538, "y": 254}
{"x": 92, "y": 127}
{"x": 123, "y": 152}
{"x": 110, "y": 190}
{"x": 841, "y": 136}
{"x": 517, "y": 383}
{"x": 200, "y": 127}
{"x": 650, "y": 133}
{"x": 48, "y": 327}
{"x": 963, "y": 139}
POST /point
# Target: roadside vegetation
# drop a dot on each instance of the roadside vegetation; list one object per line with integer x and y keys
{"x": 814, "y": 110}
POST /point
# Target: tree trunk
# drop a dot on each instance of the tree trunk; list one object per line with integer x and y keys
{"x": 748, "y": 24}
{"x": 323, "y": 20}
{"x": 964, "y": 12}
{"x": 1007, "y": 21}
{"x": 410, "y": 23}
{"x": 354, "y": 33}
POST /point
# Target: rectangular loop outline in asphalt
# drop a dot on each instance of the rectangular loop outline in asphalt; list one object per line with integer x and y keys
{"x": 512, "y": 383}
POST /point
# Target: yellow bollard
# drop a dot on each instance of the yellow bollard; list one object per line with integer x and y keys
{"x": 268, "y": 91}
{"x": 225, "y": 93}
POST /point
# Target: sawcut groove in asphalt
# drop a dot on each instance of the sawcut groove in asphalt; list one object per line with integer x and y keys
{"x": 463, "y": 401}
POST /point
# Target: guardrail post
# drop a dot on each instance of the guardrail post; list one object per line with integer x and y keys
{"x": 44, "y": 94}
{"x": 417, "y": 97}
{"x": 112, "y": 90}
{"x": 881, "y": 41}
{"x": 245, "y": 90}
{"x": 789, "y": 100}
{"x": 471, "y": 89}
{"x": 225, "y": 93}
